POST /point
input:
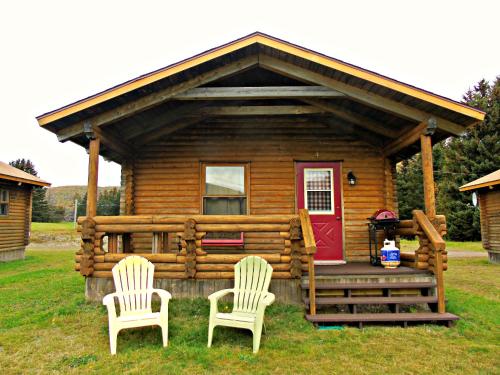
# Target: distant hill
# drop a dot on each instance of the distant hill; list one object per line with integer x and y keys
{"x": 64, "y": 196}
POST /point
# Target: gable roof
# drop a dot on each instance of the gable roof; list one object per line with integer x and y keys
{"x": 272, "y": 42}
{"x": 491, "y": 179}
{"x": 10, "y": 173}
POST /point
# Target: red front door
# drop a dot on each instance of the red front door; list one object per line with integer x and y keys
{"x": 318, "y": 190}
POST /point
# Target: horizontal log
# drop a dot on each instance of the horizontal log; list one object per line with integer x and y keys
{"x": 407, "y": 256}
{"x": 242, "y": 227}
{"x": 159, "y": 267}
{"x": 405, "y": 224}
{"x": 157, "y": 275}
{"x": 230, "y": 267}
{"x": 230, "y": 275}
{"x": 155, "y": 258}
{"x": 138, "y": 228}
{"x": 431, "y": 233}
{"x": 406, "y": 232}
{"x": 235, "y": 258}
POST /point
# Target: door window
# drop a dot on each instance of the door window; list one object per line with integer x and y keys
{"x": 318, "y": 189}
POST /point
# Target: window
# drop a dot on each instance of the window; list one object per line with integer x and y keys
{"x": 225, "y": 189}
{"x": 4, "y": 202}
{"x": 318, "y": 188}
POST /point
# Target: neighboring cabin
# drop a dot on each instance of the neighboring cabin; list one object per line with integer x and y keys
{"x": 15, "y": 210}
{"x": 488, "y": 194}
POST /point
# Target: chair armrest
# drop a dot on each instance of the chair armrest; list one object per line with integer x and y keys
{"x": 164, "y": 298}
{"x": 163, "y": 294}
{"x": 219, "y": 294}
{"x": 268, "y": 299}
{"x": 109, "y": 302}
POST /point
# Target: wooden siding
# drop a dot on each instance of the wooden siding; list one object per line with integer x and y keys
{"x": 489, "y": 203}
{"x": 15, "y": 227}
{"x": 167, "y": 173}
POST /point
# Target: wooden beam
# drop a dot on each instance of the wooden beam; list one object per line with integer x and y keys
{"x": 260, "y": 92}
{"x": 260, "y": 110}
{"x": 405, "y": 139}
{"x": 92, "y": 177}
{"x": 428, "y": 174}
{"x": 165, "y": 119}
{"x": 363, "y": 96}
{"x": 151, "y": 100}
{"x": 353, "y": 117}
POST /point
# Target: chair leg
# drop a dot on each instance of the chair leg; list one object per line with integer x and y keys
{"x": 256, "y": 338}
{"x": 113, "y": 336}
{"x": 210, "y": 334}
{"x": 164, "y": 334}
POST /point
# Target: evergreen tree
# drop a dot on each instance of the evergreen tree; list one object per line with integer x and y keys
{"x": 40, "y": 207}
{"x": 81, "y": 209}
{"x": 468, "y": 157}
{"x": 109, "y": 203}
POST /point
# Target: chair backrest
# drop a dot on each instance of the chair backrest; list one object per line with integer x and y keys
{"x": 252, "y": 276}
{"x": 133, "y": 278}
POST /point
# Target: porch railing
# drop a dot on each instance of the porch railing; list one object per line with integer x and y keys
{"x": 431, "y": 254}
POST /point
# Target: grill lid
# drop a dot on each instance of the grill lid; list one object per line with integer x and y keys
{"x": 384, "y": 215}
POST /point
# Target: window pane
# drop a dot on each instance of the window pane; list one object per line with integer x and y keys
{"x": 3, "y": 209}
{"x": 319, "y": 201}
{"x": 224, "y": 206}
{"x": 318, "y": 180}
{"x": 225, "y": 180}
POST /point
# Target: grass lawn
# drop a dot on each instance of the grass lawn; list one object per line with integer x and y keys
{"x": 47, "y": 327}
{"x": 52, "y": 227}
{"x": 476, "y": 246}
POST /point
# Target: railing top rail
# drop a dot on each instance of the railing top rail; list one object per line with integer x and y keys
{"x": 307, "y": 231}
{"x": 430, "y": 231}
{"x": 200, "y": 219}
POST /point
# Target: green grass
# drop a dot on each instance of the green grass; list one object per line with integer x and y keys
{"x": 476, "y": 246}
{"x": 47, "y": 327}
{"x": 52, "y": 227}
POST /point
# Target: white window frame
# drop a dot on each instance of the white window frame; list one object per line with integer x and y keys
{"x": 306, "y": 191}
{"x": 7, "y": 202}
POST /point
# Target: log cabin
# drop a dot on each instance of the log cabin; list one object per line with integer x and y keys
{"x": 15, "y": 210}
{"x": 260, "y": 146}
{"x": 487, "y": 189}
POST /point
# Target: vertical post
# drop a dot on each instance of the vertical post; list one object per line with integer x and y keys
{"x": 428, "y": 173}
{"x": 93, "y": 175}
{"x": 75, "y": 211}
{"x": 190, "y": 238}
{"x": 295, "y": 237}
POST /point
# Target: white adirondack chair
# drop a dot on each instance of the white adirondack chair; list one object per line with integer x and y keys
{"x": 133, "y": 277}
{"x": 252, "y": 276}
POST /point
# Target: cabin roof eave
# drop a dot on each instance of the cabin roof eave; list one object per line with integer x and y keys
{"x": 272, "y": 42}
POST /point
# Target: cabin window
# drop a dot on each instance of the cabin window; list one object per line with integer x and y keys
{"x": 225, "y": 189}
{"x": 4, "y": 202}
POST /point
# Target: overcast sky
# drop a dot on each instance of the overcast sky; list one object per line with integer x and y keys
{"x": 55, "y": 52}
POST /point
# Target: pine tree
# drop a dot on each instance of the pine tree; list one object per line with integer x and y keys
{"x": 40, "y": 211}
{"x": 468, "y": 157}
{"x": 109, "y": 203}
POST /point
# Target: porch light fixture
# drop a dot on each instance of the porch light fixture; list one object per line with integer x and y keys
{"x": 351, "y": 178}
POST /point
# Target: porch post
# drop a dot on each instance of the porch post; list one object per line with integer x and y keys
{"x": 93, "y": 174}
{"x": 427, "y": 169}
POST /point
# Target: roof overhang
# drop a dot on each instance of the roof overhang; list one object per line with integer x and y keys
{"x": 487, "y": 181}
{"x": 380, "y": 93}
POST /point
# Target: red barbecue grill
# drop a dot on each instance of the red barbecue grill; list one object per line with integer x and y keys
{"x": 382, "y": 220}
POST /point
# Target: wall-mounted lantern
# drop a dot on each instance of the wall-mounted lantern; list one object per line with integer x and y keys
{"x": 351, "y": 178}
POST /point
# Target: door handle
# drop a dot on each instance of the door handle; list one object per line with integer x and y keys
{"x": 338, "y": 218}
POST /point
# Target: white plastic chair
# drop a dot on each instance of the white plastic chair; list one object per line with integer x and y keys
{"x": 133, "y": 277}
{"x": 252, "y": 276}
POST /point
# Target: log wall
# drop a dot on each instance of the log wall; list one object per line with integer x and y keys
{"x": 15, "y": 227}
{"x": 489, "y": 204}
{"x": 167, "y": 173}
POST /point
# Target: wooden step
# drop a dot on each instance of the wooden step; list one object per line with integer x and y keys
{"x": 395, "y": 285}
{"x": 382, "y": 318}
{"x": 407, "y": 300}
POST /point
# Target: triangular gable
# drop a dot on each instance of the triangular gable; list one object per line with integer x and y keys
{"x": 271, "y": 42}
